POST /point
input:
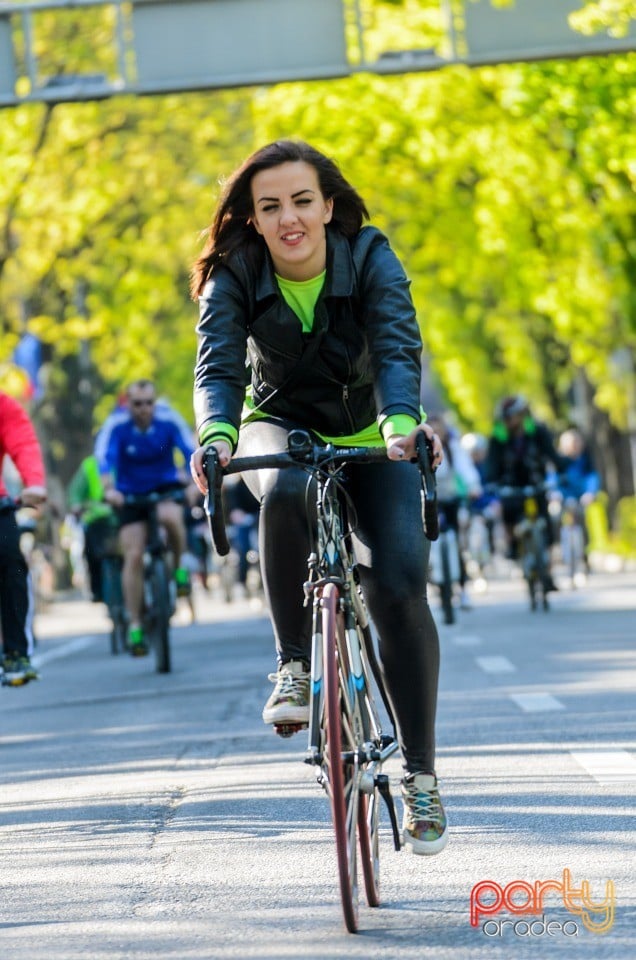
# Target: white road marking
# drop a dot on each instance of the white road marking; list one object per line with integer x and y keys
{"x": 607, "y": 766}
{"x": 65, "y": 649}
{"x": 467, "y": 641}
{"x": 496, "y": 664}
{"x": 536, "y": 702}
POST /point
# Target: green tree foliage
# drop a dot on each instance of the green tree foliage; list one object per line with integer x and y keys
{"x": 611, "y": 15}
{"x": 509, "y": 192}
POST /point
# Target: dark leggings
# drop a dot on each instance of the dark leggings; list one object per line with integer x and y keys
{"x": 392, "y": 556}
{"x": 14, "y": 592}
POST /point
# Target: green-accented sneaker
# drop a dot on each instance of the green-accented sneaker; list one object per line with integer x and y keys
{"x": 289, "y": 703}
{"x": 137, "y": 642}
{"x": 17, "y": 670}
{"x": 424, "y": 826}
{"x": 182, "y": 580}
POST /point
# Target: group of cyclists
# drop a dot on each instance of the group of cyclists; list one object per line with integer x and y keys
{"x": 144, "y": 448}
{"x": 481, "y": 483}
{"x": 319, "y": 304}
{"x": 480, "y": 486}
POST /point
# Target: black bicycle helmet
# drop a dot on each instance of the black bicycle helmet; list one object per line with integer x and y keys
{"x": 512, "y": 406}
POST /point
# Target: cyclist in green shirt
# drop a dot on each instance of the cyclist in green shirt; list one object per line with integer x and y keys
{"x": 322, "y": 308}
{"x": 86, "y": 500}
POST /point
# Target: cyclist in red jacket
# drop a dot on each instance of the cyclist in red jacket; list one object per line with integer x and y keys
{"x": 19, "y": 441}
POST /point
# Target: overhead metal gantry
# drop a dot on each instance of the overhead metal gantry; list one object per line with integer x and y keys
{"x": 164, "y": 46}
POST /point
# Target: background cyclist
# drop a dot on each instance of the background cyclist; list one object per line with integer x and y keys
{"x": 578, "y": 481}
{"x": 85, "y": 498}
{"x": 521, "y": 453}
{"x": 139, "y": 459}
{"x": 458, "y": 483}
{"x": 19, "y": 441}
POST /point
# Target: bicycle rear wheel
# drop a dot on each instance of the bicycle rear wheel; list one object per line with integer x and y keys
{"x": 160, "y": 615}
{"x": 342, "y": 776}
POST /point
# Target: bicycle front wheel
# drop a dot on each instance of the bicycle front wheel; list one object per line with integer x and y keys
{"x": 369, "y": 833}
{"x": 112, "y": 595}
{"x": 446, "y": 586}
{"x": 160, "y": 631}
{"x": 340, "y": 763}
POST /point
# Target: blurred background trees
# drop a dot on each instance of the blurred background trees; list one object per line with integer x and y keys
{"x": 509, "y": 192}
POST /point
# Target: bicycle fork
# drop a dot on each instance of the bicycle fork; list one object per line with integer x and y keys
{"x": 367, "y": 779}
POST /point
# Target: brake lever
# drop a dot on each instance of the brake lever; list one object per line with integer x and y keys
{"x": 213, "y": 504}
{"x": 424, "y": 447}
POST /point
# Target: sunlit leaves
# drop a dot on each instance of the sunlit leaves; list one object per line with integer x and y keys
{"x": 508, "y": 191}
{"x": 614, "y": 16}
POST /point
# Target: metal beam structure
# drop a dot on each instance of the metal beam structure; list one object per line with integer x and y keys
{"x": 532, "y": 30}
{"x": 165, "y": 46}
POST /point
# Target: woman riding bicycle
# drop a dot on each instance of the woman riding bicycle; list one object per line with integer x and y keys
{"x": 322, "y": 308}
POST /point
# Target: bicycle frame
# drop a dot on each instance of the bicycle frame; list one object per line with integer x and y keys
{"x": 332, "y": 563}
{"x": 345, "y": 739}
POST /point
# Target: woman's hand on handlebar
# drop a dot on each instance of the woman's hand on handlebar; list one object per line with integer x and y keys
{"x": 224, "y": 452}
{"x": 403, "y": 448}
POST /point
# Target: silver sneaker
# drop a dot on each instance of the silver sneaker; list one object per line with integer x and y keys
{"x": 424, "y": 827}
{"x": 289, "y": 702}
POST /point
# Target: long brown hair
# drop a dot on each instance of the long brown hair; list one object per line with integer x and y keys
{"x": 231, "y": 227}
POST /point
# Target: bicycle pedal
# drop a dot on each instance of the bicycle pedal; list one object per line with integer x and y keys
{"x": 286, "y": 730}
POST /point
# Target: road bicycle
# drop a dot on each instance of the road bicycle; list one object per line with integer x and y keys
{"x": 159, "y": 588}
{"x": 346, "y": 743}
{"x": 531, "y": 535}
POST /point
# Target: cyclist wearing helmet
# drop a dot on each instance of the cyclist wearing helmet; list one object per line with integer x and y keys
{"x": 520, "y": 453}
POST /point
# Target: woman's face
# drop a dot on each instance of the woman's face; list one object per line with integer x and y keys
{"x": 290, "y": 214}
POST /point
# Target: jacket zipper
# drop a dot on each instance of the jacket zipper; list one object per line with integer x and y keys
{"x": 345, "y": 401}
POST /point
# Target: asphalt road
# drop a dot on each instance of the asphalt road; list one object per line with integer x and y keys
{"x": 148, "y": 816}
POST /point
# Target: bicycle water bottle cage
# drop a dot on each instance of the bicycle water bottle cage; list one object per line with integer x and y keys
{"x": 300, "y": 445}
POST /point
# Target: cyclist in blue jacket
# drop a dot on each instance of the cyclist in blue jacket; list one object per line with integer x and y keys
{"x": 139, "y": 459}
{"x": 577, "y": 480}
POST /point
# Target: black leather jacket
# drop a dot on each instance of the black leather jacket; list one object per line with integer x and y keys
{"x": 368, "y": 360}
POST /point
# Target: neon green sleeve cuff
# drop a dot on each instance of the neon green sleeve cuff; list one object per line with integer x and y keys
{"x": 400, "y": 424}
{"x": 219, "y": 431}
